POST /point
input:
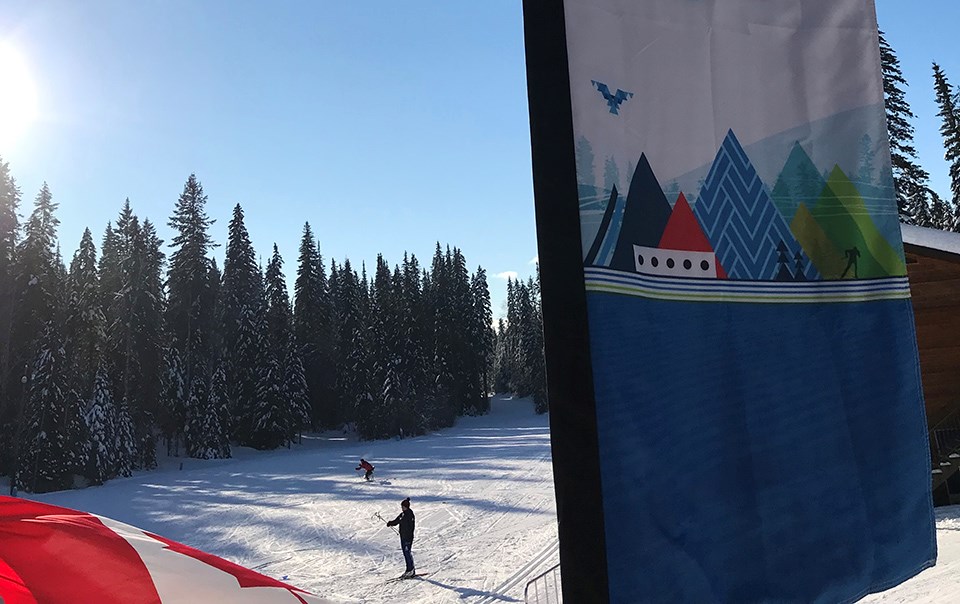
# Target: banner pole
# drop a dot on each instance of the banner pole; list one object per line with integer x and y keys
{"x": 570, "y": 392}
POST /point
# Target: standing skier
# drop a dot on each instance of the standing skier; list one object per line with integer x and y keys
{"x": 365, "y": 465}
{"x": 407, "y": 521}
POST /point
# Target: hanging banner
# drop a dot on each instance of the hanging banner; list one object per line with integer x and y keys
{"x": 755, "y": 388}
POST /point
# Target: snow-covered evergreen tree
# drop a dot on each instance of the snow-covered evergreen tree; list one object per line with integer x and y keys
{"x": 204, "y": 434}
{"x": 481, "y": 341}
{"x": 948, "y": 100}
{"x": 909, "y": 179}
{"x": 379, "y": 418}
{"x": 85, "y": 329}
{"x": 314, "y": 329}
{"x": 189, "y": 309}
{"x": 220, "y": 408}
{"x": 272, "y": 415}
{"x": 37, "y": 283}
{"x": 414, "y": 334}
{"x": 941, "y": 214}
{"x": 101, "y": 422}
{"x": 9, "y": 369}
{"x": 131, "y": 283}
{"x": 291, "y": 383}
{"x": 126, "y": 441}
{"x": 173, "y": 399}
{"x": 294, "y": 391}
{"x": 76, "y": 440}
{"x": 44, "y": 463}
{"x": 352, "y": 354}
{"x": 240, "y": 300}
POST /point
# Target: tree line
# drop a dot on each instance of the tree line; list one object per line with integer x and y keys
{"x": 917, "y": 202}
{"x": 131, "y": 351}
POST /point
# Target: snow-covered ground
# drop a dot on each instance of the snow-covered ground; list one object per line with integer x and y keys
{"x": 482, "y": 492}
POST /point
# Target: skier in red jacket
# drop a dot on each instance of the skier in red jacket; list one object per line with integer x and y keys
{"x": 365, "y": 465}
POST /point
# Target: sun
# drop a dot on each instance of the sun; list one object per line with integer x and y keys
{"x": 18, "y": 97}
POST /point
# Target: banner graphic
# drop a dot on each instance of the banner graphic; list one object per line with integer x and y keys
{"x": 759, "y": 414}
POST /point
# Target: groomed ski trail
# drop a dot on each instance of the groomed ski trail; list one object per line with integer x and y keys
{"x": 482, "y": 493}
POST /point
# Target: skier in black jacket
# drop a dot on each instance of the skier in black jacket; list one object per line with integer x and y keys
{"x": 407, "y": 522}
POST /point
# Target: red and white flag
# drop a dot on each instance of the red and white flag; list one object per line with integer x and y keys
{"x": 52, "y": 555}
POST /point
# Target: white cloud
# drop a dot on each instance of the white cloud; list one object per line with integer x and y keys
{"x": 535, "y": 259}
{"x": 507, "y": 275}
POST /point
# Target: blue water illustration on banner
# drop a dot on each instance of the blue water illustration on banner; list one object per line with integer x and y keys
{"x": 733, "y": 458}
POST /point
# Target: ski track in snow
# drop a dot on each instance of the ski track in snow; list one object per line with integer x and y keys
{"x": 482, "y": 493}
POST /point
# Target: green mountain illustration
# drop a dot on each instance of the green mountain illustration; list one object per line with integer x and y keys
{"x": 824, "y": 255}
{"x": 798, "y": 183}
{"x": 844, "y": 218}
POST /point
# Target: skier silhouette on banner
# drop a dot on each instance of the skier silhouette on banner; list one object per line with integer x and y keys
{"x": 851, "y": 255}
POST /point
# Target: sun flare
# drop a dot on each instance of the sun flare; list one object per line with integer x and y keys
{"x": 18, "y": 97}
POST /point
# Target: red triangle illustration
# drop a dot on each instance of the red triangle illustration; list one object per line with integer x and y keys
{"x": 683, "y": 232}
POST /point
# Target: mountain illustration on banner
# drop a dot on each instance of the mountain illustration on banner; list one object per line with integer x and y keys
{"x": 806, "y": 228}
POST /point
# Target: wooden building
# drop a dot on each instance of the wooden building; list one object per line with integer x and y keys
{"x": 933, "y": 266}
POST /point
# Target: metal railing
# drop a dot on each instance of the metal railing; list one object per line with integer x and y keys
{"x": 544, "y": 588}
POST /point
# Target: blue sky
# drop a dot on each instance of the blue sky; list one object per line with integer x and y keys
{"x": 389, "y": 126}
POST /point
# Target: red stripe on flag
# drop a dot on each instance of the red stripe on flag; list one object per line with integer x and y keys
{"x": 62, "y": 555}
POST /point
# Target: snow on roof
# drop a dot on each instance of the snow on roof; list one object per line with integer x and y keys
{"x": 934, "y": 239}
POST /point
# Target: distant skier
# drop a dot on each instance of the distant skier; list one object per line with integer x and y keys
{"x": 407, "y": 521}
{"x": 365, "y": 465}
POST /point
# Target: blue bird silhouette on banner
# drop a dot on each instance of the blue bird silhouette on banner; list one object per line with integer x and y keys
{"x": 613, "y": 100}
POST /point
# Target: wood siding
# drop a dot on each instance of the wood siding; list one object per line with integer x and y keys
{"x": 935, "y": 289}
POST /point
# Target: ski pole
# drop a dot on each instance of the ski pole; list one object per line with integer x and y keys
{"x": 377, "y": 514}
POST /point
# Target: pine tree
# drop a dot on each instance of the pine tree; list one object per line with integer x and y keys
{"x": 380, "y": 417}
{"x": 948, "y": 100}
{"x": 9, "y": 369}
{"x": 219, "y": 411}
{"x": 412, "y": 338}
{"x": 205, "y": 436}
{"x": 278, "y": 313}
{"x": 909, "y": 179}
{"x": 501, "y": 360}
{"x": 85, "y": 329}
{"x": 272, "y": 420}
{"x": 941, "y": 214}
{"x": 101, "y": 421}
{"x": 151, "y": 303}
{"x": 189, "y": 314}
{"x": 482, "y": 339}
{"x": 440, "y": 411}
{"x": 353, "y": 373}
{"x": 294, "y": 389}
{"x": 240, "y": 299}
{"x": 126, "y": 441}
{"x": 37, "y": 282}
{"x": 132, "y": 266}
{"x": 280, "y": 341}
{"x": 248, "y": 352}
{"x": 76, "y": 440}
{"x": 43, "y": 460}
{"x": 315, "y": 332}
{"x": 538, "y": 362}
{"x": 173, "y": 399}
